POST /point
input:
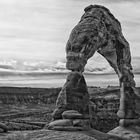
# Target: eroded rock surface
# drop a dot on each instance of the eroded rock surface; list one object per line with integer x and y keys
{"x": 45, "y": 135}
{"x": 128, "y": 133}
{"x": 3, "y": 127}
{"x": 72, "y": 103}
{"x": 73, "y": 96}
{"x": 72, "y": 114}
{"x": 98, "y": 30}
{"x": 90, "y": 134}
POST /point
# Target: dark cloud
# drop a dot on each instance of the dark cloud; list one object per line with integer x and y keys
{"x": 7, "y": 67}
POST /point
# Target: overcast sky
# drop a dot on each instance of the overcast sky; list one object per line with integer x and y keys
{"x": 39, "y": 29}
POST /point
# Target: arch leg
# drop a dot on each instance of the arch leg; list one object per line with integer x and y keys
{"x": 127, "y": 84}
{"x": 127, "y": 109}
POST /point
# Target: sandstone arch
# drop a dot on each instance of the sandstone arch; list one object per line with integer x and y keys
{"x": 98, "y": 30}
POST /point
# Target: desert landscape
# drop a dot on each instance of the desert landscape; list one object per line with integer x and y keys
{"x": 69, "y": 70}
{"x": 25, "y": 110}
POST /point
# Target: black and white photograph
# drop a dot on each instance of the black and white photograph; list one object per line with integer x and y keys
{"x": 69, "y": 70}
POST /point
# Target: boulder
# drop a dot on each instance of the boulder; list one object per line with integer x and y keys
{"x": 72, "y": 114}
{"x": 85, "y": 123}
{"x": 61, "y": 123}
{"x": 67, "y": 128}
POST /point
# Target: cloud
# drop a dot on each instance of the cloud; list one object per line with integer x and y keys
{"x": 95, "y": 65}
{"x": 6, "y": 67}
{"x": 33, "y": 30}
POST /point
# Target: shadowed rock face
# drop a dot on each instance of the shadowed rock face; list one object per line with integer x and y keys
{"x": 73, "y": 96}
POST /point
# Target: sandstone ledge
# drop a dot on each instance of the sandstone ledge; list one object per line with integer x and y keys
{"x": 45, "y": 135}
{"x": 87, "y": 134}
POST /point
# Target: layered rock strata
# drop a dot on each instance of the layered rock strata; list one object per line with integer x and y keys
{"x": 72, "y": 103}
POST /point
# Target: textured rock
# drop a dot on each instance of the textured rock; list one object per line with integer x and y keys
{"x": 128, "y": 133}
{"x": 72, "y": 121}
{"x": 72, "y": 114}
{"x": 67, "y": 128}
{"x": 72, "y": 103}
{"x": 3, "y": 127}
{"x": 73, "y": 96}
{"x": 98, "y": 30}
{"x": 90, "y": 134}
{"x": 26, "y": 95}
{"x": 81, "y": 123}
{"x": 129, "y": 122}
{"x": 1, "y": 130}
{"x": 21, "y": 126}
{"x": 104, "y": 108}
{"x": 106, "y": 103}
{"x": 45, "y": 135}
{"x": 25, "y": 116}
{"x": 64, "y": 122}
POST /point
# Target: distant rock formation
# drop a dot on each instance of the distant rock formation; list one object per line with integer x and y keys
{"x": 27, "y": 95}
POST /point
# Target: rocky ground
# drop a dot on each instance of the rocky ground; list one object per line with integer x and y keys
{"x": 46, "y": 135}
{"x": 58, "y": 135}
{"x": 23, "y": 113}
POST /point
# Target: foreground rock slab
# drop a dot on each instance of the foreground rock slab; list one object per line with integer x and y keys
{"x": 128, "y": 133}
{"x": 44, "y": 134}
